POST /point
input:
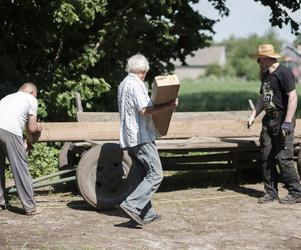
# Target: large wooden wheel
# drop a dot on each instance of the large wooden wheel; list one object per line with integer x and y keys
{"x": 105, "y": 176}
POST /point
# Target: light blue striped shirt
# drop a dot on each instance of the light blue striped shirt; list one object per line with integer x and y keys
{"x": 132, "y": 98}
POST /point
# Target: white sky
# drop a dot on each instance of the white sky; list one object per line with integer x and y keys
{"x": 246, "y": 17}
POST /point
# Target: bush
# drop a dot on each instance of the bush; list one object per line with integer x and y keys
{"x": 214, "y": 69}
{"x": 43, "y": 159}
{"x": 220, "y": 71}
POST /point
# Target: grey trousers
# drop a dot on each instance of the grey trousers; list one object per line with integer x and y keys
{"x": 11, "y": 146}
{"x": 147, "y": 159}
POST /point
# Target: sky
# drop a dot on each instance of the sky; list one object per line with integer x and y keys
{"x": 246, "y": 17}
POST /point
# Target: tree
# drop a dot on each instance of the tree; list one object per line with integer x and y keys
{"x": 280, "y": 12}
{"x": 67, "y": 46}
{"x": 297, "y": 41}
{"x": 240, "y": 53}
{"x": 82, "y": 45}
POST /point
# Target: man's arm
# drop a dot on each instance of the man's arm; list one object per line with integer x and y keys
{"x": 255, "y": 112}
{"x": 258, "y": 107}
{"x": 33, "y": 131}
{"x": 159, "y": 108}
{"x": 32, "y": 125}
{"x": 291, "y": 106}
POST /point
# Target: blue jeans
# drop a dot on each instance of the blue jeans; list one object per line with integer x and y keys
{"x": 149, "y": 175}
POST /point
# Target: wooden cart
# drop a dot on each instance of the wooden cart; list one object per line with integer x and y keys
{"x": 103, "y": 171}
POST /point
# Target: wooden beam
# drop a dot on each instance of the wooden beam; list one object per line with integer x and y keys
{"x": 80, "y": 131}
{"x": 177, "y": 116}
{"x": 97, "y": 116}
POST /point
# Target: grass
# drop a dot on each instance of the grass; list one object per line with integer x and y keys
{"x": 224, "y": 94}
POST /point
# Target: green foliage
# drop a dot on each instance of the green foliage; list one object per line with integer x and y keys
{"x": 220, "y": 94}
{"x": 82, "y": 45}
{"x": 8, "y": 173}
{"x": 280, "y": 13}
{"x": 217, "y": 94}
{"x": 65, "y": 14}
{"x": 67, "y": 46}
{"x": 214, "y": 69}
{"x": 240, "y": 53}
{"x": 43, "y": 160}
{"x": 219, "y": 71}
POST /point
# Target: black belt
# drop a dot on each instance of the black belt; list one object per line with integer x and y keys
{"x": 275, "y": 113}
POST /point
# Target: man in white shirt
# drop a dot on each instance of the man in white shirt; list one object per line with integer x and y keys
{"x": 18, "y": 110}
{"x": 137, "y": 135}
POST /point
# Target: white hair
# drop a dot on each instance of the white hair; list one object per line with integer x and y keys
{"x": 137, "y": 64}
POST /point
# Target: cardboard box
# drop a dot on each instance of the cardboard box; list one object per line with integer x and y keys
{"x": 164, "y": 90}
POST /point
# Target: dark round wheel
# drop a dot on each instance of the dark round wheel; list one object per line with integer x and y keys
{"x": 103, "y": 176}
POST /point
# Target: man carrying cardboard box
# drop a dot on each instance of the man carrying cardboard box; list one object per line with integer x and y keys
{"x": 137, "y": 135}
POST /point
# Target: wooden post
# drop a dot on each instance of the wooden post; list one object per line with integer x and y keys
{"x": 78, "y": 102}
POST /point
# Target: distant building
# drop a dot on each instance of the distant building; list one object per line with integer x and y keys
{"x": 197, "y": 64}
{"x": 292, "y": 59}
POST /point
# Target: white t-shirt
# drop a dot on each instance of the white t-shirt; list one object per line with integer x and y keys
{"x": 14, "y": 111}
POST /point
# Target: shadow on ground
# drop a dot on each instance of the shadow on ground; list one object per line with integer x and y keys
{"x": 181, "y": 180}
{"x": 203, "y": 179}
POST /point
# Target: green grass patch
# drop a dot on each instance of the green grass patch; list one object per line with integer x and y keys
{"x": 219, "y": 94}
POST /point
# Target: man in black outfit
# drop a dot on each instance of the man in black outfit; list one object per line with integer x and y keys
{"x": 279, "y": 101}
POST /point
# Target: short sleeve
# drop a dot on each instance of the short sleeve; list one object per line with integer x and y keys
{"x": 33, "y": 106}
{"x": 288, "y": 81}
{"x": 141, "y": 98}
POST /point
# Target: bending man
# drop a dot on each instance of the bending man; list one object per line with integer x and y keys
{"x": 16, "y": 111}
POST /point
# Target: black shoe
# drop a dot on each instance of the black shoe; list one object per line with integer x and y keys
{"x": 290, "y": 199}
{"x": 157, "y": 217}
{"x": 3, "y": 206}
{"x": 132, "y": 215}
{"x": 267, "y": 198}
{"x": 133, "y": 224}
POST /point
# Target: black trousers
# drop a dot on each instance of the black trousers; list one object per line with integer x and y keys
{"x": 276, "y": 148}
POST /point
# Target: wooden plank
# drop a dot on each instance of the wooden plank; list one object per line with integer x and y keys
{"x": 177, "y": 116}
{"x": 212, "y": 128}
{"x": 165, "y": 89}
{"x": 80, "y": 131}
{"x": 97, "y": 116}
{"x": 213, "y": 115}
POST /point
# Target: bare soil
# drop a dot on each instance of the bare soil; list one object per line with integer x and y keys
{"x": 217, "y": 217}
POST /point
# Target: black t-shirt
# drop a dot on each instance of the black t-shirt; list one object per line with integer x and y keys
{"x": 275, "y": 87}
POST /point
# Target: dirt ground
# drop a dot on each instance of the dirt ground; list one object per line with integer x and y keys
{"x": 192, "y": 218}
